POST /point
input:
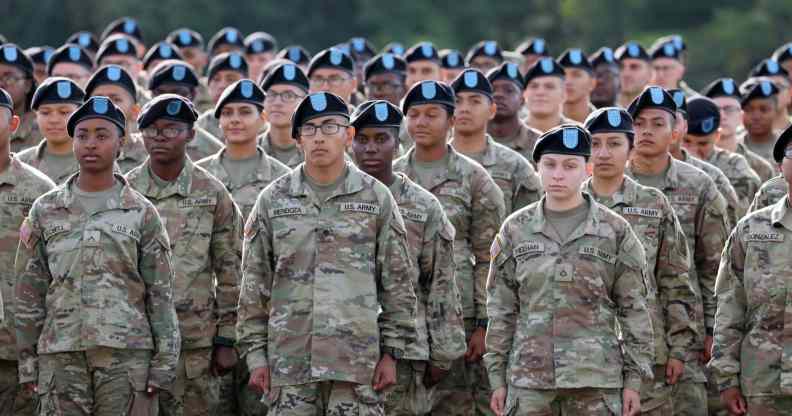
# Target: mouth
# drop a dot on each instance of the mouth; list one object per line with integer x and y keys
{"x": 371, "y": 163}
{"x": 90, "y": 158}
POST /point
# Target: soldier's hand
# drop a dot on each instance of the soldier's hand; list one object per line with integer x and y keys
{"x": 433, "y": 376}
{"x": 31, "y": 388}
{"x": 674, "y": 370}
{"x": 707, "y": 354}
{"x": 498, "y": 401}
{"x": 631, "y": 402}
{"x": 476, "y": 346}
{"x": 223, "y": 360}
{"x": 385, "y": 373}
{"x": 260, "y": 379}
{"x": 734, "y": 401}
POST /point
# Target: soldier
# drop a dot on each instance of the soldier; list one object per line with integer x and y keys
{"x": 430, "y": 238}
{"x": 285, "y": 86}
{"x": 702, "y": 134}
{"x": 54, "y": 101}
{"x": 545, "y": 95}
{"x": 773, "y": 71}
{"x": 635, "y": 71}
{"x": 606, "y": 73}
{"x": 296, "y": 54}
{"x": 21, "y": 185}
{"x": 771, "y": 192}
{"x": 227, "y": 39}
{"x": 176, "y": 77}
{"x": 759, "y": 104}
{"x": 39, "y": 55}
{"x": 333, "y": 71}
{"x": 671, "y": 299}
{"x": 474, "y": 205}
{"x": 260, "y": 48}
{"x": 668, "y": 65}
{"x": 324, "y": 313}
{"x": 701, "y": 211}
{"x": 751, "y": 352}
{"x": 191, "y": 46}
{"x": 727, "y": 96}
{"x": 16, "y": 78}
{"x": 224, "y": 70}
{"x": 72, "y": 62}
{"x": 579, "y": 83}
{"x": 506, "y": 127}
{"x": 563, "y": 271}
{"x": 384, "y": 77}
{"x": 205, "y": 228}
{"x": 423, "y": 64}
{"x": 120, "y": 50}
{"x": 532, "y": 50}
{"x": 474, "y": 108}
{"x": 484, "y": 56}
{"x": 451, "y": 64}
{"x": 95, "y": 245}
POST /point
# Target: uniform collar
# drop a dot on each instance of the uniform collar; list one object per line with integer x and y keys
{"x": 627, "y": 193}
{"x": 452, "y": 172}
{"x": 263, "y": 172}
{"x": 590, "y": 226}
{"x": 13, "y": 173}
{"x": 182, "y": 185}
{"x": 780, "y": 215}
{"x": 353, "y": 182}
{"x": 127, "y": 198}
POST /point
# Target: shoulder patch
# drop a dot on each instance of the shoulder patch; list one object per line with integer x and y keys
{"x": 769, "y": 237}
{"x": 598, "y": 253}
{"x": 642, "y": 212}
{"x": 359, "y": 207}
{"x": 26, "y": 234}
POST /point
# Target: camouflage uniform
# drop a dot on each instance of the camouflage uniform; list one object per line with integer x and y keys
{"x": 516, "y": 178}
{"x": 266, "y": 144}
{"x": 27, "y": 134}
{"x": 522, "y": 142}
{"x": 245, "y": 196}
{"x": 734, "y": 207}
{"x": 766, "y": 154}
{"x": 736, "y": 168}
{"x": 762, "y": 167}
{"x": 133, "y": 153}
{"x": 208, "y": 122}
{"x": 771, "y": 192}
{"x": 752, "y": 349}
{"x": 325, "y": 285}
{"x": 441, "y": 334}
{"x": 406, "y": 141}
{"x": 203, "y": 100}
{"x": 20, "y": 185}
{"x": 672, "y": 299}
{"x": 552, "y": 308}
{"x": 203, "y": 145}
{"x": 115, "y": 268}
{"x": 701, "y": 211}
{"x": 474, "y": 205}
{"x": 205, "y": 228}
{"x": 34, "y": 156}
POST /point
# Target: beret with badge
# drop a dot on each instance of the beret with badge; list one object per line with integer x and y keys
{"x": 631, "y": 50}
{"x": 160, "y": 52}
{"x": 451, "y": 59}
{"x": 423, "y": 51}
{"x": 227, "y": 61}
{"x": 757, "y": 88}
{"x": 665, "y": 48}
{"x": 610, "y": 120}
{"x": 722, "y": 87}
{"x": 186, "y": 38}
{"x": 544, "y": 67}
{"x": 97, "y": 107}
{"x": 533, "y": 46}
{"x": 112, "y": 75}
{"x": 86, "y": 40}
{"x": 603, "y": 56}
{"x": 361, "y": 47}
{"x": 652, "y": 97}
{"x": 40, "y": 54}
{"x": 566, "y": 139}
{"x": 125, "y": 25}
{"x": 783, "y": 53}
{"x": 395, "y": 48}
{"x": 575, "y": 58}
{"x": 260, "y": 42}
{"x": 768, "y": 68}
{"x": 167, "y": 106}
{"x": 172, "y": 71}
{"x": 703, "y": 116}
{"x": 472, "y": 80}
{"x": 680, "y": 99}
{"x": 429, "y": 92}
{"x": 226, "y": 36}
{"x": 116, "y": 44}
{"x": 320, "y": 104}
{"x": 384, "y": 63}
{"x": 57, "y": 90}
{"x": 488, "y": 48}
{"x": 508, "y": 71}
{"x": 70, "y": 53}
{"x": 376, "y": 113}
{"x": 12, "y": 55}
{"x": 332, "y": 58}
{"x": 296, "y": 54}
{"x": 289, "y": 74}
{"x": 242, "y": 91}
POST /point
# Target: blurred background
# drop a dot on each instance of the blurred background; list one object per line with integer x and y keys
{"x": 724, "y": 37}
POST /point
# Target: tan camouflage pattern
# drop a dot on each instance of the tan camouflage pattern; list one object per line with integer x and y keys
{"x": 522, "y": 142}
{"x": 34, "y": 156}
{"x": 15, "y": 400}
{"x": 133, "y": 153}
{"x": 208, "y": 122}
{"x": 327, "y": 398}
{"x": 196, "y": 392}
{"x": 203, "y": 145}
{"x": 265, "y": 142}
{"x": 27, "y": 134}
{"x": 736, "y": 168}
{"x": 771, "y": 192}
{"x": 734, "y": 206}
{"x": 762, "y": 167}
{"x": 563, "y": 402}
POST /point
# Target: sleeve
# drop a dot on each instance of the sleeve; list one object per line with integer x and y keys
{"x": 226, "y": 249}
{"x": 255, "y": 294}
{"x": 156, "y": 269}
{"x": 528, "y": 189}
{"x": 488, "y": 213}
{"x": 730, "y": 315}
{"x": 503, "y": 307}
{"x": 759, "y": 201}
{"x": 734, "y": 208}
{"x": 746, "y": 184}
{"x": 713, "y": 230}
{"x": 32, "y": 280}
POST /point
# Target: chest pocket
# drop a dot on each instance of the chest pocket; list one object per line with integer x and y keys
{"x": 62, "y": 245}
{"x": 536, "y": 261}
{"x": 293, "y": 228}
{"x": 190, "y": 228}
{"x": 355, "y": 227}
{"x": 645, "y": 222}
{"x": 767, "y": 269}
{"x": 458, "y": 204}
{"x": 595, "y": 267}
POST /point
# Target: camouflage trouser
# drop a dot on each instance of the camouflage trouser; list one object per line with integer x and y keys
{"x": 563, "y": 402}
{"x": 714, "y": 405}
{"x": 236, "y": 398}
{"x": 97, "y": 382}
{"x": 14, "y": 400}
{"x": 690, "y": 398}
{"x": 769, "y": 405}
{"x": 195, "y": 391}
{"x": 466, "y": 389}
{"x": 656, "y": 396}
{"x": 409, "y": 397}
{"x": 327, "y": 398}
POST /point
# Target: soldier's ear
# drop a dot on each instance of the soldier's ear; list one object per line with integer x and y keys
{"x": 13, "y": 123}
{"x": 589, "y": 168}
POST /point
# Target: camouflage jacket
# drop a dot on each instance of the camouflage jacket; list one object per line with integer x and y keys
{"x": 20, "y": 185}
{"x": 516, "y": 178}
{"x": 734, "y": 206}
{"x": 522, "y": 142}
{"x": 771, "y": 192}
{"x": 672, "y": 299}
{"x": 114, "y": 267}
{"x": 474, "y": 205}
{"x": 27, "y": 134}
{"x": 208, "y": 122}
{"x": 205, "y": 230}
{"x": 266, "y": 143}
{"x": 762, "y": 167}
{"x": 552, "y": 306}
{"x": 203, "y": 145}
{"x": 34, "y": 156}
{"x": 752, "y": 347}
{"x": 430, "y": 241}
{"x": 325, "y": 284}
{"x": 133, "y": 153}
{"x": 736, "y": 168}
{"x": 245, "y": 196}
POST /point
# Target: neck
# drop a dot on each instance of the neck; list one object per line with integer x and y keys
{"x": 430, "y": 153}
{"x": 386, "y": 177}
{"x": 564, "y": 204}
{"x": 578, "y": 110}
{"x": 651, "y": 165}
{"x": 168, "y": 171}
{"x": 470, "y": 143}
{"x": 95, "y": 181}
{"x": 676, "y": 153}
{"x": 241, "y": 150}
{"x": 728, "y": 143}
{"x": 325, "y": 175}
{"x": 760, "y": 139}
{"x": 625, "y": 99}
{"x": 505, "y": 128}
{"x": 60, "y": 148}
{"x": 281, "y": 136}
{"x": 606, "y": 186}
{"x": 544, "y": 122}
{"x": 5, "y": 156}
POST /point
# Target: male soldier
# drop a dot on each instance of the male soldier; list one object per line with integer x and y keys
{"x": 191, "y": 46}
{"x": 773, "y": 71}
{"x": 296, "y": 54}
{"x": 333, "y": 71}
{"x": 702, "y": 213}
{"x": 545, "y": 95}
{"x": 176, "y": 77}
{"x": 667, "y": 64}
{"x": 451, "y": 64}
{"x": 327, "y": 303}
{"x": 484, "y": 56}
{"x": 760, "y": 104}
{"x": 120, "y": 50}
{"x": 224, "y": 70}
{"x": 285, "y": 86}
{"x": 506, "y": 127}
{"x": 672, "y": 299}
{"x": 227, "y": 39}
{"x": 475, "y": 206}
{"x": 579, "y": 82}
{"x": 474, "y": 108}
{"x": 205, "y": 228}
{"x": 20, "y": 185}
{"x": 702, "y": 134}
{"x": 635, "y": 71}
{"x": 532, "y": 50}
{"x": 423, "y": 64}
{"x": 71, "y": 61}
{"x": 564, "y": 270}
{"x": 606, "y": 73}
{"x": 54, "y": 101}
{"x": 384, "y": 77}
{"x": 260, "y": 49}
{"x": 97, "y": 246}
{"x": 39, "y": 55}
{"x": 430, "y": 236}
{"x": 129, "y": 27}
{"x": 750, "y": 358}
{"x": 16, "y": 78}
{"x": 727, "y": 96}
